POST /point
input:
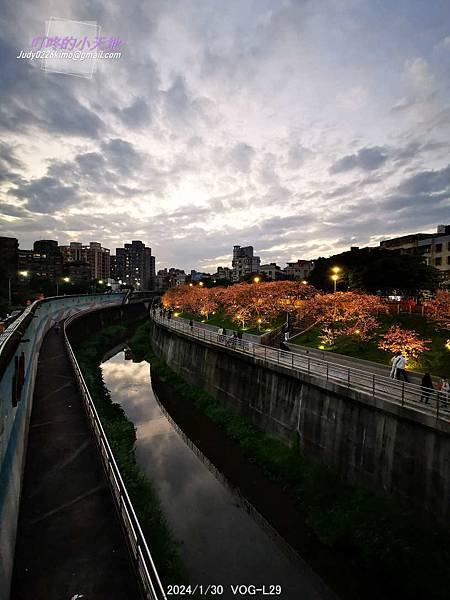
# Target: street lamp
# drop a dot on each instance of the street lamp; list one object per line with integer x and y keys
{"x": 305, "y": 282}
{"x": 335, "y": 279}
{"x": 22, "y": 274}
{"x": 201, "y": 284}
{"x": 335, "y": 276}
{"x": 256, "y": 279}
{"x": 65, "y": 280}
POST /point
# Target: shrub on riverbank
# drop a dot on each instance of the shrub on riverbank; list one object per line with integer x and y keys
{"x": 379, "y": 535}
{"x": 122, "y": 436}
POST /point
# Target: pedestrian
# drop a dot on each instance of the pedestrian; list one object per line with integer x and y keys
{"x": 169, "y": 315}
{"x": 427, "y": 386}
{"x": 57, "y": 327}
{"x": 191, "y": 324}
{"x": 224, "y": 332}
{"x": 444, "y": 390}
{"x": 398, "y": 370}
{"x": 239, "y": 333}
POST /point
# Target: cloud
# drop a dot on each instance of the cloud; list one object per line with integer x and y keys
{"x": 46, "y": 195}
{"x": 366, "y": 159}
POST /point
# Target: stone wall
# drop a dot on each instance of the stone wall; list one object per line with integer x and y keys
{"x": 370, "y": 441}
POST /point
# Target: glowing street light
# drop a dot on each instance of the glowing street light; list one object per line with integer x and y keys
{"x": 23, "y": 273}
{"x": 201, "y": 283}
{"x": 305, "y": 282}
{"x": 335, "y": 276}
{"x": 65, "y": 280}
{"x": 191, "y": 284}
{"x": 256, "y": 279}
{"x": 335, "y": 279}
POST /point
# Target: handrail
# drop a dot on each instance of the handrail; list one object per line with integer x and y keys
{"x": 145, "y": 567}
{"x": 427, "y": 401}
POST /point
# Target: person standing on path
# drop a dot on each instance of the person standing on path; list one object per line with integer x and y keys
{"x": 444, "y": 390}
{"x": 427, "y": 386}
{"x": 398, "y": 370}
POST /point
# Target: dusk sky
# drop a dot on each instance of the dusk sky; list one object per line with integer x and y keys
{"x": 299, "y": 127}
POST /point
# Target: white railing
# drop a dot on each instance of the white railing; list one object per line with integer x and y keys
{"x": 145, "y": 567}
{"x": 423, "y": 400}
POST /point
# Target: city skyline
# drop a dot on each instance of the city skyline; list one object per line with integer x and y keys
{"x": 301, "y": 128}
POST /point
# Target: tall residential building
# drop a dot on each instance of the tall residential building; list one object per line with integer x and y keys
{"x": 94, "y": 255}
{"x": 244, "y": 262}
{"x": 135, "y": 265}
{"x": 44, "y": 261}
{"x": 9, "y": 264}
{"x": 434, "y": 247}
{"x": 99, "y": 261}
{"x": 300, "y": 269}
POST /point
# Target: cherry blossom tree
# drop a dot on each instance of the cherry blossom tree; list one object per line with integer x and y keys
{"x": 405, "y": 341}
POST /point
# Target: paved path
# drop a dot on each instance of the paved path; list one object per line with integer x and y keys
{"x": 372, "y": 381}
{"x": 349, "y": 361}
{"x": 69, "y": 538}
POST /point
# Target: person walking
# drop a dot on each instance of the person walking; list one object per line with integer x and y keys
{"x": 191, "y": 325}
{"x": 398, "y": 370}
{"x": 427, "y": 386}
{"x": 444, "y": 390}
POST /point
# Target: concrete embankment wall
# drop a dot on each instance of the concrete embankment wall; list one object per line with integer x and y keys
{"x": 369, "y": 441}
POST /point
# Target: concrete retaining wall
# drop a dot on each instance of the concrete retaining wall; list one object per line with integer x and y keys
{"x": 369, "y": 441}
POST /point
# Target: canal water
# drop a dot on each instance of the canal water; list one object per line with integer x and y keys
{"x": 222, "y": 541}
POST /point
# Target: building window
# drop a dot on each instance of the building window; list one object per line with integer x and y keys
{"x": 438, "y": 261}
{"x": 438, "y": 248}
{"x": 448, "y": 260}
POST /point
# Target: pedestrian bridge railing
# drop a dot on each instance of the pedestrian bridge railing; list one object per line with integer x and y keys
{"x": 431, "y": 402}
{"x": 140, "y": 553}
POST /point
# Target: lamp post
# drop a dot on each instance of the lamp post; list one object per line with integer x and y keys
{"x": 335, "y": 276}
{"x": 65, "y": 280}
{"x": 22, "y": 274}
{"x": 256, "y": 279}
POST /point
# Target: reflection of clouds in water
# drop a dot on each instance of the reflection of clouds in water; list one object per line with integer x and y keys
{"x": 129, "y": 384}
{"x": 221, "y": 541}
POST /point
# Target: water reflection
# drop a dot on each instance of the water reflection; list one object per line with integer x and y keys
{"x": 221, "y": 543}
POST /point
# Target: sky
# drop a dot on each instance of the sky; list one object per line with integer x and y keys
{"x": 301, "y": 127}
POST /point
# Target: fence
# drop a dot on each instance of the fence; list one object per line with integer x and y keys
{"x": 145, "y": 567}
{"x": 401, "y": 393}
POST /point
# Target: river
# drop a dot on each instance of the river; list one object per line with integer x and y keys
{"x": 222, "y": 540}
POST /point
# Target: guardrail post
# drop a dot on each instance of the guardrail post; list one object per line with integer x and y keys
{"x": 327, "y": 370}
{"x": 373, "y": 385}
{"x": 348, "y": 377}
{"x": 403, "y": 394}
{"x": 438, "y": 405}
{"x": 309, "y": 365}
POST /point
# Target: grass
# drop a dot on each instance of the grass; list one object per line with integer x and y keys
{"x": 222, "y": 320}
{"x": 385, "y": 539}
{"x": 435, "y": 361}
{"x": 122, "y": 436}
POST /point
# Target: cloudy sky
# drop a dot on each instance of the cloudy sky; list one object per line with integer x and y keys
{"x": 298, "y": 126}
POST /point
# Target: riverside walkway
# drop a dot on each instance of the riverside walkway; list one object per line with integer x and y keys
{"x": 375, "y": 384}
{"x": 69, "y": 540}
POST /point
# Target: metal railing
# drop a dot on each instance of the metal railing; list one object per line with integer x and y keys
{"x": 145, "y": 567}
{"x": 428, "y": 401}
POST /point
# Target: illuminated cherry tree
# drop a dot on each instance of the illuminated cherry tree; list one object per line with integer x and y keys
{"x": 405, "y": 341}
{"x": 438, "y": 308}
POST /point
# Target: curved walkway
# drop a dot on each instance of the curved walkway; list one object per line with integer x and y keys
{"x": 69, "y": 541}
